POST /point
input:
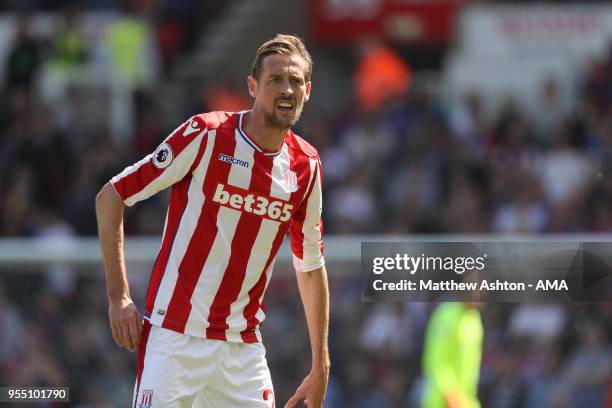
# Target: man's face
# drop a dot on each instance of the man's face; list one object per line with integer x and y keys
{"x": 281, "y": 90}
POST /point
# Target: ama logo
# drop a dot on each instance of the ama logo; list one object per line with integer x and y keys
{"x": 162, "y": 156}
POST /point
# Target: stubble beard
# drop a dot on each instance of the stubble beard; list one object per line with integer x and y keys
{"x": 273, "y": 121}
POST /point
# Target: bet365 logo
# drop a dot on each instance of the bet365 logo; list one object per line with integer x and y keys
{"x": 242, "y": 200}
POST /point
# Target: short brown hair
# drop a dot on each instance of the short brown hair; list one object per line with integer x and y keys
{"x": 282, "y": 44}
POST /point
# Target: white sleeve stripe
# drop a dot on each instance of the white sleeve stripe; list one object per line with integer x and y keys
{"x": 313, "y": 257}
{"x": 131, "y": 169}
{"x": 301, "y": 266}
{"x": 313, "y": 171}
{"x": 169, "y": 175}
{"x": 125, "y": 173}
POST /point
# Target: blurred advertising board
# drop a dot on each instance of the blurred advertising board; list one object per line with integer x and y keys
{"x": 341, "y": 22}
{"x": 515, "y": 31}
{"x": 513, "y": 50}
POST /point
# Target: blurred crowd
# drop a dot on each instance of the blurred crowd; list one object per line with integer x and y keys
{"x": 534, "y": 356}
{"x": 61, "y": 136}
{"x": 415, "y": 166}
{"x": 412, "y": 164}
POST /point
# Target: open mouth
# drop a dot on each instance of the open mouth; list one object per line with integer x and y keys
{"x": 285, "y": 106}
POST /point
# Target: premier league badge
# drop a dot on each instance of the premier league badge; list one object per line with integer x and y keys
{"x": 162, "y": 156}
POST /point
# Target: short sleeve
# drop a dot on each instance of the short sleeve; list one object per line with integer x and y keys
{"x": 306, "y": 230}
{"x": 168, "y": 164}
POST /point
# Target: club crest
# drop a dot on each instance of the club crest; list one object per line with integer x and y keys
{"x": 147, "y": 399}
{"x": 290, "y": 180}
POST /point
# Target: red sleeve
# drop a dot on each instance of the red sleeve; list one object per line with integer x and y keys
{"x": 306, "y": 229}
{"x": 168, "y": 164}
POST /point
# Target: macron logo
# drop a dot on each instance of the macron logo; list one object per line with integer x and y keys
{"x": 233, "y": 160}
{"x": 192, "y": 127}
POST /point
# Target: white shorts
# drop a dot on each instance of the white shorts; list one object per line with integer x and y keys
{"x": 176, "y": 370}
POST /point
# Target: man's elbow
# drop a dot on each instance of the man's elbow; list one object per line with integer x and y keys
{"x": 308, "y": 271}
{"x": 107, "y": 196}
{"x": 101, "y": 197}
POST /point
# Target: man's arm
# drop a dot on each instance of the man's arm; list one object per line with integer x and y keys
{"x": 168, "y": 164}
{"x": 315, "y": 297}
{"x": 125, "y": 320}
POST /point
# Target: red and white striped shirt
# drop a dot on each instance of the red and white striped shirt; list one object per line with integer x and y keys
{"x": 231, "y": 206}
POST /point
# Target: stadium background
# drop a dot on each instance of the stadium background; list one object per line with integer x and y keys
{"x": 431, "y": 117}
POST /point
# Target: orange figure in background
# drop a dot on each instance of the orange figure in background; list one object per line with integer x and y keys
{"x": 381, "y": 75}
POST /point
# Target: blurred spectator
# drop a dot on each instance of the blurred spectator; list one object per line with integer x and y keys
{"x": 64, "y": 65}
{"x": 547, "y": 384}
{"x": 564, "y": 169}
{"x": 464, "y": 208}
{"x": 590, "y": 367}
{"x": 525, "y": 213}
{"x": 382, "y": 330}
{"x": 599, "y": 84}
{"x": 23, "y": 60}
{"x": 468, "y": 122}
{"x": 12, "y": 330}
{"x": 452, "y": 355}
{"x": 549, "y": 113}
{"x": 226, "y": 98}
{"x": 352, "y": 207}
{"x": 381, "y": 76}
{"x": 69, "y": 45}
{"x": 509, "y": 389}
{"x": 540, "y": 322}
{"x": 133, "y": 59}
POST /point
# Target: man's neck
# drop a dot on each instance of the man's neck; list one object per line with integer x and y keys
{"x": 254, "y": 124}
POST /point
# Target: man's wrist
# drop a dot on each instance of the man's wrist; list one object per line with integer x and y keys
{"x": 121, "y": 298}
{"x": 321, "y": 366}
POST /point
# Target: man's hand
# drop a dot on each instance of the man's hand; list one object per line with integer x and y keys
{"x": 126, "y": 323}
{"x": 312, "y": 389}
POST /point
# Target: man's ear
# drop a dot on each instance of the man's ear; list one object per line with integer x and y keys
{"x": 252, "y": 84}
{"x": 308, "y": 88}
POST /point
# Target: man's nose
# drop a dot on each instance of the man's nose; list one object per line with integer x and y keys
{"x": 287, "y": 89}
